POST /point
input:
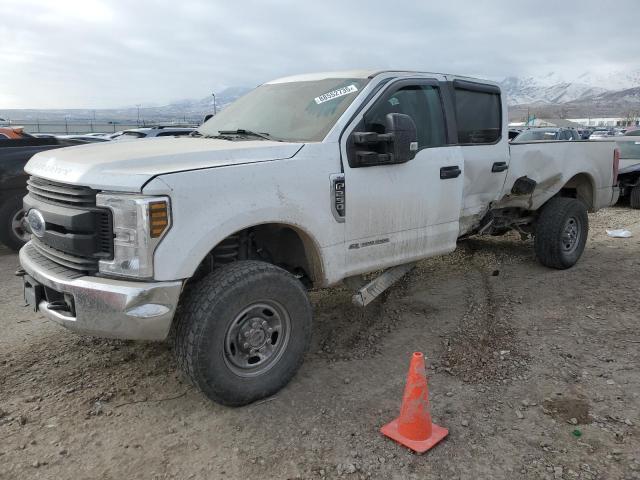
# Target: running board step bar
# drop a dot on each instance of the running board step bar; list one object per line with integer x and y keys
{"x": 371, "y": 290}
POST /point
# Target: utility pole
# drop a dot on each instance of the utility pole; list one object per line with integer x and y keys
{"x": 214, "y": 103}
{"x": 138, "y": 107}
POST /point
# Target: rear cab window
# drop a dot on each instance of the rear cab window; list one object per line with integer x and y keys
{"x": 478, "y": 113}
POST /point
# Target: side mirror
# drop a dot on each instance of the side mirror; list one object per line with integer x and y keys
{"x": 405, "y": 136}
{"x": 398, "y": 145}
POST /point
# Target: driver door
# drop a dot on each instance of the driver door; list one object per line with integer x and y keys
{"x": 397, "y": 213}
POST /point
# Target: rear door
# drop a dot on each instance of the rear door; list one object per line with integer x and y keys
{"x": 401, "y": 212}
{"x": 480, "y": 123}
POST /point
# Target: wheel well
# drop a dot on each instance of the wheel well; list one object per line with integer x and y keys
{"x": 581, "y": 187}
{"x": 279, "y": 244}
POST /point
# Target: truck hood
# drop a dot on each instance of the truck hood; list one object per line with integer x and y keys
{"x": 127, "y": 166}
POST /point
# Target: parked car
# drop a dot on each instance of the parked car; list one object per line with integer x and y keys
{"x": 157, "y": 131}
{"x": 14, "y": 154}
{"x": 84, "y": 138}
{"x": 629, "y": 176}
{"x": 600, "y": 133}
{"x": 632, "y": 133}
{"x": 304, "y": 182}
{"x": 548, "y": 133}
{"x": 584, "y": 133}
{"x": 43, "y": 135}
{"x": 13, "y": 133}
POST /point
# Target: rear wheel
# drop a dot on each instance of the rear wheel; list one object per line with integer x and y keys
{"x": 634, "y": 197}
{"x": 561, "y": 232}
{"x": 12, "y": 231}
{"x": 242, "y": 331}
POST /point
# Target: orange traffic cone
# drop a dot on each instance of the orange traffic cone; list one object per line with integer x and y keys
{"x": 413, "y": 428}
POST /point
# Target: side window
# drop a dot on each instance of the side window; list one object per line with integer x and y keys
{"x": 422, "y": 103}
{"x": 478, "y": 115}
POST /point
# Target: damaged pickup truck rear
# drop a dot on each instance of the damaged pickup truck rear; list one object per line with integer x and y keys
{"x": 213, "y": 240}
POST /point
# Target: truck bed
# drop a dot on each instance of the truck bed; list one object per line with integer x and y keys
{"x": 553, "y": 164}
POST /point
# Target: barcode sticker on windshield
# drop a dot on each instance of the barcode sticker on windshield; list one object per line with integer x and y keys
{"x": 340, "y": 92}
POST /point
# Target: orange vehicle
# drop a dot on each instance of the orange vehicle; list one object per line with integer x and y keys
{"x": 13, "y": 133}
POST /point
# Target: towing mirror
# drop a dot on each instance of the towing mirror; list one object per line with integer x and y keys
{"x": 398, "y": 145}
{"x": 405, "y": 133}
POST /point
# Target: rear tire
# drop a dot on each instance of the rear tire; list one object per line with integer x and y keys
{"x": 634, "y": 197}
{"x": 561, "y": 232}
{"x": 12, "y": 233}
{"x": 242, "y": 331}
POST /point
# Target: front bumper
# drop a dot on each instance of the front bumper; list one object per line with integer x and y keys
{"x": 102, "y": 306}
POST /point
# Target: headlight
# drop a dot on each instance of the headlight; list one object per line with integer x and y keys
{"x": 139, "y": 224}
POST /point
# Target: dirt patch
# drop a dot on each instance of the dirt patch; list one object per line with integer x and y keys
{"x": 573, "y": 410}
{"x": 361, "y": 331}
{"x": 528, "y": 349}
{"x": 484, "y": 347}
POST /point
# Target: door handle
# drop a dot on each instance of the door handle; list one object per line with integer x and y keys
{"x": 450, "y": 172}
{"x": 499, "y": 167}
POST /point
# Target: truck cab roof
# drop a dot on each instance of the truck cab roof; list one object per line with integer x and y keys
{"x": 370, "y": 74}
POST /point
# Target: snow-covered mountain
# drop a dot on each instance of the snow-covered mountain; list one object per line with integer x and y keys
{"x": 190, "y": 110}
{"x": 553, "y": 88}
{"x": 608, "y": 93}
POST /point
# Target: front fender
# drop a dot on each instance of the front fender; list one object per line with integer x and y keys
{"x": 209, "y": 205}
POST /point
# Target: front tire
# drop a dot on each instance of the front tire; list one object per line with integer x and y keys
{"x": 561, "y": 232}
{"x": 12, "y": 232}
{"x": 242, "y": 331}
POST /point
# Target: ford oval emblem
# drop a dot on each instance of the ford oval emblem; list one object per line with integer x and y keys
{"x": 36, "y": 222}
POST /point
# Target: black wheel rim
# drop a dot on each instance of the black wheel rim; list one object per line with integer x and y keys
{"x": 256, "y": 338}
{"x": 17, "y": 226}
{"x": 571, "y": 234}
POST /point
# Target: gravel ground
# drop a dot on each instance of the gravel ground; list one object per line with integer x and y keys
{"x": 534, "y": 372}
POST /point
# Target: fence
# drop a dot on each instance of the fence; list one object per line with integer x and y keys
{"x": 78, "y": 128}
{"x": 73, "y": 128}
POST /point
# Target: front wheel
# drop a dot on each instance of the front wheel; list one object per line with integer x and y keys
{"x": 561, "y": 232}
{"x": 12, "y": 231}
{"x": 242, "y": 331}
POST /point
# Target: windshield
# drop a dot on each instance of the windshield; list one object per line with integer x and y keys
{"x": 294, "y": 111}
{"x": 533, "y": 135}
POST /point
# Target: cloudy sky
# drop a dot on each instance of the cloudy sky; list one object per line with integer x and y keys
{"x": 111, "y": 53}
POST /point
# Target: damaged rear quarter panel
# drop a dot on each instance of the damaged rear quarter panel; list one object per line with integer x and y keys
{"x": 552, "y": 165}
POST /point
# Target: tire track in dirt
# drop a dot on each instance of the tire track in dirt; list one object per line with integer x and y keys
{"x": 344, "y": 331}
{"x": 484, "y": 347}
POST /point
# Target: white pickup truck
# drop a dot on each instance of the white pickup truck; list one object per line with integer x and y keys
{"x": 304, "y": 182}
